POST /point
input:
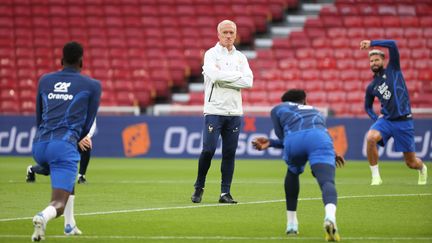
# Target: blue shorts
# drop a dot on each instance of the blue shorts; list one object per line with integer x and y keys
{"x": 62, "y": 160}
{"x": 401, "y": 131}
{"x": 313, "y": 145}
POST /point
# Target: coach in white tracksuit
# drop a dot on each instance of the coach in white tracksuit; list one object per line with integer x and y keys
{"x": 226, "y": 71}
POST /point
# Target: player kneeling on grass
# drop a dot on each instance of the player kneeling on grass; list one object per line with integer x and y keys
{"x": 303, "y": 136}
{"x": 66, "y": 106}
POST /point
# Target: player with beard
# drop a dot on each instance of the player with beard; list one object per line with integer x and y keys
{"x": 388, "y": 85}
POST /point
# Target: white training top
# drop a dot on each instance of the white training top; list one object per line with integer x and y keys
{"x": 225, "y": 74}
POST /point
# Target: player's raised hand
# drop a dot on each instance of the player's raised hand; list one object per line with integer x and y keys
{"x": 365, "y": 44}
{"x": 260, "y": 143}
{"x": 340, "y": 161}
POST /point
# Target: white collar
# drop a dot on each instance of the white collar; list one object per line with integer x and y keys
{"x": 223, "y": 49}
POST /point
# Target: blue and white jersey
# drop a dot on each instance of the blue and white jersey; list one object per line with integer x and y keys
{"x": 66, "y": 106}
{"x": 289, "y": 117}
{"x": 389, "y": 87}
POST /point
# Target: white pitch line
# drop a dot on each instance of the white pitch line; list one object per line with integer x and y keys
{"x": 225, "y": 205}
{"x": 219, "y": 238}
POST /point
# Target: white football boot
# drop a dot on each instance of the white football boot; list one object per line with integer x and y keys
{"x": 39, "y": 225}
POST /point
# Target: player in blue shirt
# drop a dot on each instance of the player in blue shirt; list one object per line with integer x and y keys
{"x": 66, "y": 106}
{"x": 303, "y": 135}
{"x": 388, "y": 85}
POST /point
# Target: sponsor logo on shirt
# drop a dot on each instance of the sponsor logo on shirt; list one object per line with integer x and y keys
{"x": 383, "y": 90}
{"x": 61, "y": 87}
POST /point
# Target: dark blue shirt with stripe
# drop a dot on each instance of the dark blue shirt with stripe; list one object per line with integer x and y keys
{"x": 291, "y": 117}
{"x": 389, "y": 87}
{"x": 66, "y": 106}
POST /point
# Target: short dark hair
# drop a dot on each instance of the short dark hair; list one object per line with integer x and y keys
{"x": 294, "y": 95}
{"x": 72, "y": 52}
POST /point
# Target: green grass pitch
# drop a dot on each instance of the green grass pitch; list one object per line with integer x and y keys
{"x": 148, "y": 200}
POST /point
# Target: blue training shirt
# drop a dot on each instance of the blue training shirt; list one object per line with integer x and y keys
{"x": 289, "y": 117}
{"x": 66, "y": 106}
{"x": 389, "y": 87}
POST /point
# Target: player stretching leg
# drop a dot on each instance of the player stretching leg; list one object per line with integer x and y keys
{"x": 388, "y": 85}
{"x": 302, "y": 134}
{"x": 66, "y": 106}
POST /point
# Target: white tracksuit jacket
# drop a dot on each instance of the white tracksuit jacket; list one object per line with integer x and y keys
{"x": 225, "y": 74}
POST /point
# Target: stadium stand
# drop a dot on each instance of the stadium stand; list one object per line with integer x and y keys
{"x": 139, "y": 49}
{"x": 329, "y": 65}
{"x": 142, "y": 49}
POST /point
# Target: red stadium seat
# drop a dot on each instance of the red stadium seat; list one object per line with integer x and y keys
{"x": 352, "y": 21}
{"x": 385, "y": 9}
{"x": 283, "y": 53}
{"x": 348, "y": 9}
{"x": 423, "y": 64}
{"x": 340, "y": 109}
{"x": 316, "y": 97}
{"x": 304, "y": 53}
{"x": 416, "y": 43}
{"x": 355, "y": 95}
{"x": 423, "y": 10}
{"x": 287, "y": 64}
{"x": 406, "y": 10}
{"x": 323, "y": 53}
{"x": 329, "y": 10}
{"x": 390, "y": 21}
{"x": 333, "y": 85}
{"x": 372, "y": 22}
{"x": 76, "y": 10}
{"x": 305, "y": 64}
{"x": 310, "y": 75}
{"x": 313, "y": 23}
{"x": 392, "y": 33}
{"x": 349, "y": 74}
{"x": 375, "y": 33}
{"x": 352, "y": 85}
{"x": 426, "y": 21}
{"x": 427, "y": 33}
{"x": 6, "y": 22}
{"x": 319, "y": 43}
{"x": 9, "y": 107}
{"x": 336, "y": 32}
{"x": 413, "y": 33}
{"x": 356, "y": 33}
{"x": 409, "y": 21}
{"x": 327, "y": 63}
{"x": 332, "y": 21}
{"x": 314, "y": 32}
{"x": 196, "y": 98}
{"x": 276, "y": 86}
{"x": 125, "y": 98}
{"x": 367, "y": 9}
{"x": 330, "y": 75}
{"x": 345, "y": 63}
